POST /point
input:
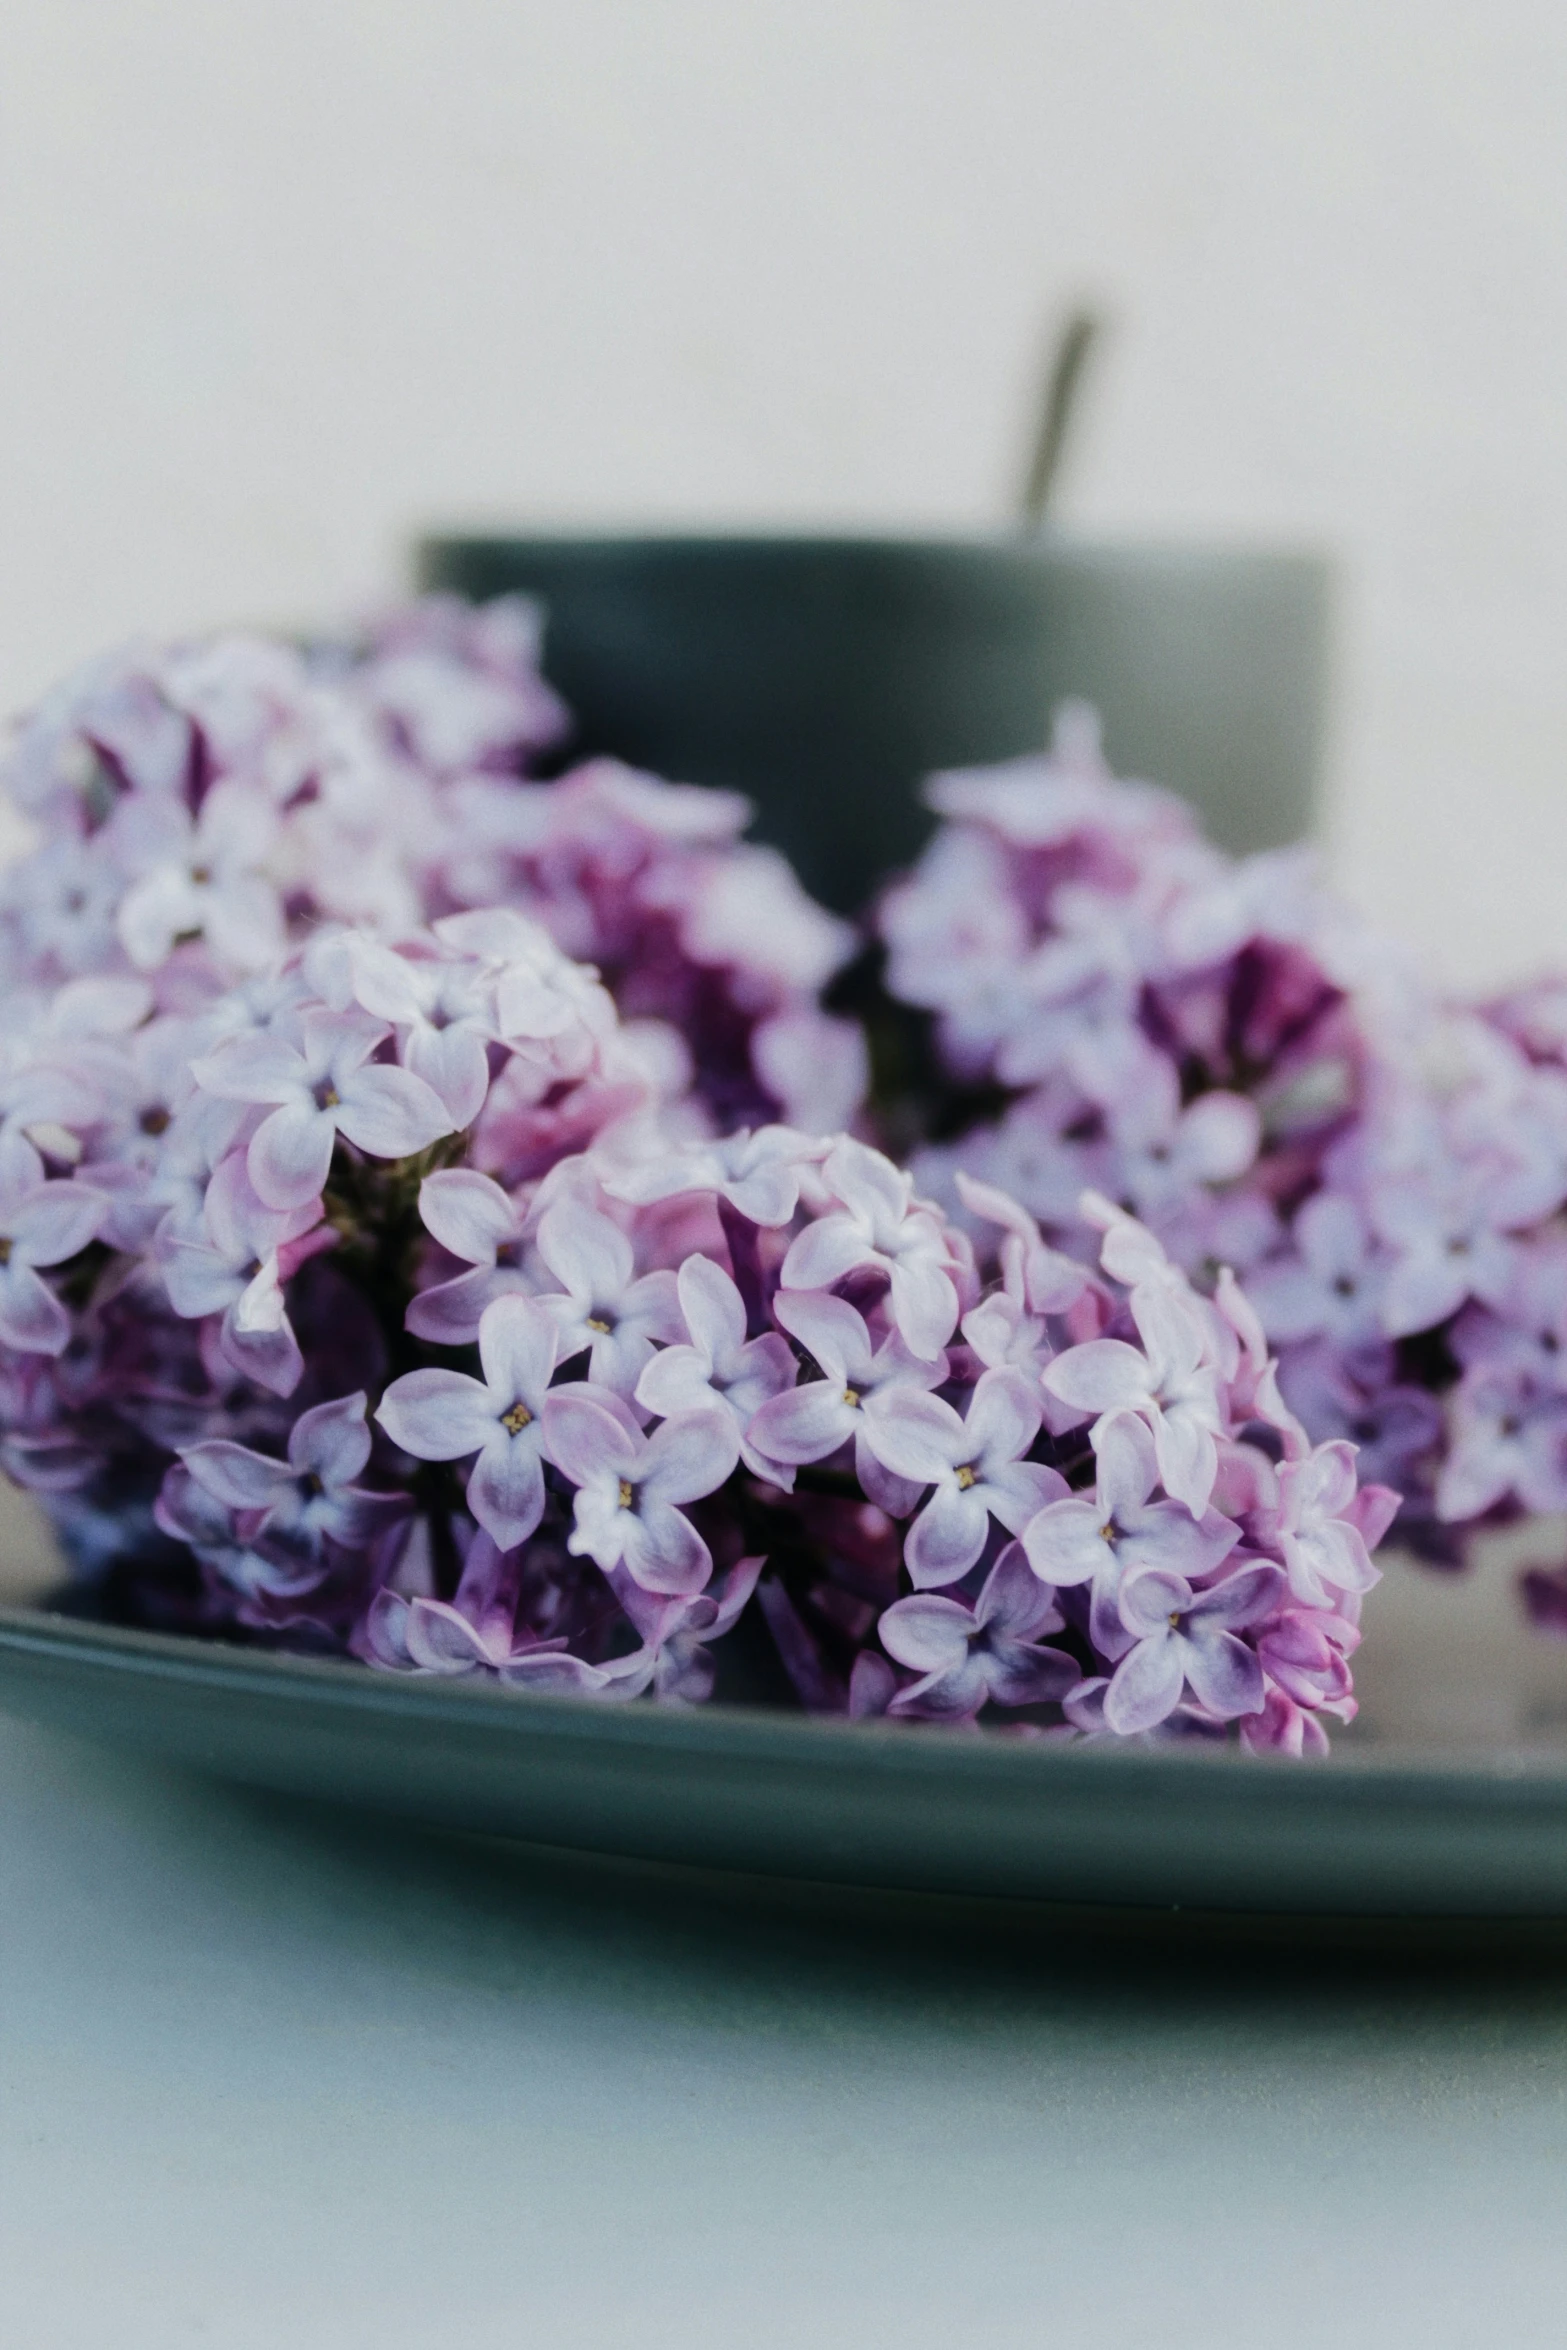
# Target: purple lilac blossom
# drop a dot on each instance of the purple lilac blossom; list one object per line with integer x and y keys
{"x": 966, "y": 1656}
{"x": 322, "y": 1165}
{"x": 1110, "y": 1003}
{"x": 618, "y": 1425}
{"x": 200, "y": 805}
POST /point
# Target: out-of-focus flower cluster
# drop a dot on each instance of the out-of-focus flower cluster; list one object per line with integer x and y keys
{"x": 208, "y": 804}
{"x": 1216, "y": 1046}
{"x": 329, "y": 1318}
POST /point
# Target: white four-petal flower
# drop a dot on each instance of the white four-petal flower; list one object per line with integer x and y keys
{"x": 878, "y": 1224}
{"x": 814, "y": 1420}
{"x": 974, "y": 1466}
{"x": 1120, "y": 1530}
{"x": 601, "y": 1307}
{"x": 324, "y": 1085}
{"x": 630, "y": 1486}
{"x": 1171, "y": 1382}
{"x": 720, "y": 1365}
{"x": 440, "y": 1415}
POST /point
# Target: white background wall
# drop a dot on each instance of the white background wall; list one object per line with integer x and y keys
{"x": 280, "y": 281}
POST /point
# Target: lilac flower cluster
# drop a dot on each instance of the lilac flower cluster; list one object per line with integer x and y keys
{"x": 427, "y": 1229}
{"x": 206, "y": 1194}
{"x": 1215, "y": 1045}
{"x": 208, "y": 804}
{"x": 795, "y": 1405}
{"x": 426, "y": 1340}
{"x": 707, "y": 941}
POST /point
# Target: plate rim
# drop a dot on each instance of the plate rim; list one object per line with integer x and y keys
{"x": 1413, "y": 1777}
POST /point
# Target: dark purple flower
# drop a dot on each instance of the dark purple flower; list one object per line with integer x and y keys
{"x": 299, "y": 1504}
{"x": 1185, "y": 1639}
{"x": 966, "y": 1657}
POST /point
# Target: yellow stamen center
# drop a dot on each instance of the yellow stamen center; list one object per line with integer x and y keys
{"x": 598, "y": 1323}
{"x": 851, "y": 1396}
{"x": 518, "y": 1418}
{"x": 968, "y": 1475}
{"x": 627, "y": 1496}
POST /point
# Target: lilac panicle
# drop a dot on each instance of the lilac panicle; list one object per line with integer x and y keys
{"x": 432, "y": 1228}
{"x": 1110, "y": 1003}
{"x": 348, "y": 1379}
{"x": 200, "y": 806}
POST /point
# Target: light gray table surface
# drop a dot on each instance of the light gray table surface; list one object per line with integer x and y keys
{"x": 272, "y": 2076}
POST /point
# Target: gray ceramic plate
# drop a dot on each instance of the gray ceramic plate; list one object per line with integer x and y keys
{"x": 1448, "y": 1800}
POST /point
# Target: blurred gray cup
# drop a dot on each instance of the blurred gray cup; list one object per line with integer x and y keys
{"x": 826, "y": 677}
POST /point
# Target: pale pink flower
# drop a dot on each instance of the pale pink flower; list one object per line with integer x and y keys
{"x": 676, "y": 1661}
{"x": 444, "y": 1019}
{"x": 475, "y": 1632}
{"x": 816, "y": 1068}
{"x": 299, "y": 1504}
{"x": 42, "y": 1223}
{"x": 1039, "y": 1277}
{"x": 1332, "y": 1284}
{"x": 1170, "y": 1382}
{"x": 1442, "y": 1228}
{"x": 757, "y": 1173}
{"x": 1189, "y": 1640}
{"x": 435, "y": 1637}
{"x": 199, "y": 876}
{"x": 816, "y": 1419}
{"x": 749, "y": 910}
{"x": 1507, "y": 1436}
{"x": 547, "y": 1008}
{"x": 1164, "y": 1153}
{"x": 475, "y": 1220}
{"x": 1305, "y": 1652}
{"x": 233, "y": 1265}
{"x": 1324, "y": 1550}
{"x": 1120, "y": 1529}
